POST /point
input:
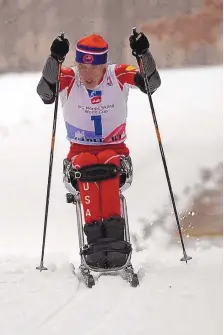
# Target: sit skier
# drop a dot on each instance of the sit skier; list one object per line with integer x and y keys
{"x": 94, "y": 101}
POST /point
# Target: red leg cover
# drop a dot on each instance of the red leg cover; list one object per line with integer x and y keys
{"x": 89, "y": 191}
{"x": 109, "y": 189}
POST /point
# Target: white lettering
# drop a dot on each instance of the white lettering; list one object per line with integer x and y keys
{"x": 87, "y": 199}
{"x": 86, "y": 186}
{"x": 88, "y": 212}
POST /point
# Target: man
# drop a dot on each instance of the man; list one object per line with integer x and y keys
{"x": 94, "y": 100}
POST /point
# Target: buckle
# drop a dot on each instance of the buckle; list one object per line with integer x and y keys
{"x": 78, "y": 175}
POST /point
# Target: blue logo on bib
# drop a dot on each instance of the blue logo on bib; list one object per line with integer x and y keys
{"x": 95, "y": 96}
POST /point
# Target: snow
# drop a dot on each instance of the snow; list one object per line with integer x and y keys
{"x": 173, "y": 297}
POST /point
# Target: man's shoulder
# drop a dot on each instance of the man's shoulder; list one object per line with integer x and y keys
{"x": 124, "y": 68}
{"x": 68, "y": 71}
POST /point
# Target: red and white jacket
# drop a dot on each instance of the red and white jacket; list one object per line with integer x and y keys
{"x": 94, "y": 119}
{"x": 98, "y": 116}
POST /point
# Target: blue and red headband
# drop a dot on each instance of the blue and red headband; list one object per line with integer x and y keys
{"x": 92, "y": 49}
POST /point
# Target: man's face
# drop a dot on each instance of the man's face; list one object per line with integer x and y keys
{"x": 91, "y": 74}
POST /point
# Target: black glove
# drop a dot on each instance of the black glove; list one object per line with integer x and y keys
{"x": 138, "y": 43}
{"x": 60, "y": 48}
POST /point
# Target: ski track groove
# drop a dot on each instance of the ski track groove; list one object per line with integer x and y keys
{"x": 61, "y": 308}
{"x": 97, "y": 292}
{"x": 56, "y": 312}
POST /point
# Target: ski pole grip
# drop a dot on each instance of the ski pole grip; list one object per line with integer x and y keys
{"x": 62, "y": 35}
{"x": 134, "y": 31}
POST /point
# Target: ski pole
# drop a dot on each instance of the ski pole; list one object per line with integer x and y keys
{"x": 41, "y": 266}
{"x": 142, "y": 66}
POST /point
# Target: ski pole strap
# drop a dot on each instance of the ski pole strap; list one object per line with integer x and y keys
{"x": 149, "y": 65}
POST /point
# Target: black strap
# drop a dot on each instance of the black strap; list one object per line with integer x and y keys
{"x": 95, "y": 172}
{"x": 110, "y": 246}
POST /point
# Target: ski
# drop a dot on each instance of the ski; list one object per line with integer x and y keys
{"x": 87, "y": 278}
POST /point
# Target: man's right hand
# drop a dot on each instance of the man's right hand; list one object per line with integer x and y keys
{"x": 60, "y": 48}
